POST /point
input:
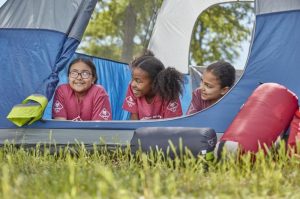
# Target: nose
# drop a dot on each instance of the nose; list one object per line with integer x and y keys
{"x": 133, "y": 84}
{"x": 202, "y": 87}
{"x": 79, "y": 76}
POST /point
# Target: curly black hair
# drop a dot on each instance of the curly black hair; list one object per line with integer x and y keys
{"x": 167, "y": 82}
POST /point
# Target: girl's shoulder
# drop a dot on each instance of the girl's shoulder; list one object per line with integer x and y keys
{"x": 97, "y": 88}
{"x": 197, "y": 90}
{"x": 64, "y": 87}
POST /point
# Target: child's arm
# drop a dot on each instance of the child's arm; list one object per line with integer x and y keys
{"x": 196, "y": 103}
{"x": 134, "y": 116}
{"x": 130, "y": 104}
{"x": 173, "y": 109}
{"x": 58, "y": 107}
{"x": 101, "y": 106}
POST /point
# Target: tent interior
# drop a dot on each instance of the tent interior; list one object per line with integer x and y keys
{"x": 34, "y": 56}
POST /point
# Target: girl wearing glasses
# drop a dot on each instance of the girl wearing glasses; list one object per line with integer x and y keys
{"x": 154, "y": 90}
{"x": 81, "y": 99}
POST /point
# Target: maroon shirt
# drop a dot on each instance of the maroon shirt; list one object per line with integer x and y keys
{"x": 94, "y": 105}
{"x": 197, "y": 103}
{"x": 158, "y": 109}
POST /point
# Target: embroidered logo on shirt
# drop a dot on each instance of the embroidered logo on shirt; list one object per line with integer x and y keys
{"x": 57, "y": 106}
{"x": 77, "y": 119}
{"x": 104, "y": 114}
{"x": 130, "y": 101}
{"x": 172, "y": 106}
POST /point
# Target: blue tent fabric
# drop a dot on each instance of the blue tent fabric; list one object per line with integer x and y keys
{"x": 20, "y": 56}
{"x": 52, "y": 80}
{"x": 115, "y": 78}
{"x": 35, "y": 45}
{"x": 274, "y": 57}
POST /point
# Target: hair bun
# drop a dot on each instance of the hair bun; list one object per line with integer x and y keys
{"x": 148, "y": 53}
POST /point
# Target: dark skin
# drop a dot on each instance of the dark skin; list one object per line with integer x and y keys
{"x": 141, "y": 85}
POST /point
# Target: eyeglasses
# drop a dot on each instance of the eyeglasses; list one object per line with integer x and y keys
{"x": 83, "y": 74}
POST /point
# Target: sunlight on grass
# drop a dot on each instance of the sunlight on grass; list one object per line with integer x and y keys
{"x": 74, "y": 172}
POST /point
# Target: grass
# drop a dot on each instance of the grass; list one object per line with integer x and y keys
{"x": 36, "y": 173}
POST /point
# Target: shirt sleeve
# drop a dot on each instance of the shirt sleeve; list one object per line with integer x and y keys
{"x": 130, "y": 102}
{"x": 195, "y": 105}
{"x": 58, "y": 106}
{"x": 173, "y": 109}
{"x": 101, "y": 107}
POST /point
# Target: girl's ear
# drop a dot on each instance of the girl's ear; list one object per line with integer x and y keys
{"x": 225, "y": 90}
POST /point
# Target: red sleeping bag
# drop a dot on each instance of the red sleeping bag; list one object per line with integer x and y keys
{"x": 294, "y": 135}
{"x": 266, "y": 115}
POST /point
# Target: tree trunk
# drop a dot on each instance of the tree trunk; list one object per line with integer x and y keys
{"x": 130, "y": 21}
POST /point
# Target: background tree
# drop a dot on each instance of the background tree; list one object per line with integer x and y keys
{"x": 120, "y": 29}
{"x": 220, "y": 31}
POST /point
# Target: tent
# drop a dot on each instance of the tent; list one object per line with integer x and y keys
{"x": 38, "y": 39}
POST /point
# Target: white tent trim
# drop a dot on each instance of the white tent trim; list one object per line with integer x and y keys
{"x": 170, "y": 40}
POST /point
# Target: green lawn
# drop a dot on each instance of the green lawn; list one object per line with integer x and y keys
{"x": 118, "y": 174}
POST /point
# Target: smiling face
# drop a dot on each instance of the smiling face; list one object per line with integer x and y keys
{"x": 211, "y": 87}
{"x": 83, "y": 81}
{"x": 141, "y": 83}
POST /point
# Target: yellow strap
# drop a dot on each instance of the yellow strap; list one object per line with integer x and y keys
{"x": 41, "y": 99}
{"x": 29, "y": 111}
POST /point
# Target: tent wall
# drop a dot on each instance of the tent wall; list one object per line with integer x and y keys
{"x": 171, "y": 37}
{"x": 37, "y": 39}
{"x": 270, "y": 6}
{"x": 274, "y": 57}
{"x": 115, "y": 78}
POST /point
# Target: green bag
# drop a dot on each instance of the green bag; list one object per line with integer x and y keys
{"x": 29, "y": 111}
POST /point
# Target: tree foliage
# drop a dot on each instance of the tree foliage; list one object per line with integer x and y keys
{"x": 120, "y": 29}
{"x": 219, "y": 32}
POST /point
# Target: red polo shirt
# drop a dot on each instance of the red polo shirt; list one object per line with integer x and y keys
{"x": 157, "y": 109}
{"x": 94, "y": 105}
{"x": 197, "y": 103}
